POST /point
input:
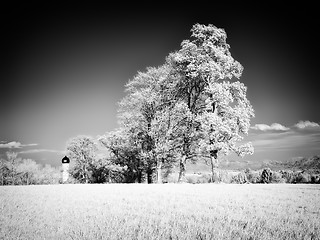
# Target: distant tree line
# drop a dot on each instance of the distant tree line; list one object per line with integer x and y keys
{"x": 263, "y": 176}
{"x": 18, "y": 171}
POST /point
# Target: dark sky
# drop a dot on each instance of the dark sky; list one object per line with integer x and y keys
{"x": 64, "y": 68}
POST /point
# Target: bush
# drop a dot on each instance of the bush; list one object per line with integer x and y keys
{"x": 198, "y": 178}
{"x": 276, "y": 177}
{"x": 253, "y": 176}
{"x": 288, "y": 176}
{"x": 117, "y": 174}
{"x": 192, "y": 178}
{"x": 204, "y": 178}
{"x": 240, "y": 178}
{"x": 299, "y": 177}
{"x": 303, "y": 178}
{"x": 225, "y": 176}
{"x": 315, "y": 178}
{"x": 171, "y": 178}
{"x": 266, "y": 175}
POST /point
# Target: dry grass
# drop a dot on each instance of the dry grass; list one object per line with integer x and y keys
{"x": 169, "y": 211}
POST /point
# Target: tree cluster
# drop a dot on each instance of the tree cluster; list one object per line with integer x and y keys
{"x": 191, "y": 107}
{"x": 87, "y": 166}
{"x": 18, "y": 171}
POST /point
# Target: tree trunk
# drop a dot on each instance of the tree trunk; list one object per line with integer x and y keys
{"x": 85, "y": 174}
{"x": 13, "y": 178}
{"x": 149, "y": 177}
{"x": 109, "y": 177}
{"x": 159, "y": 172}
{"x": 139, "y": 176}
{"x": 27, "y": 179}
{"x": 182, "y": 174}
{"x": 145, "y": 174}
{"x": 214, "y": 166}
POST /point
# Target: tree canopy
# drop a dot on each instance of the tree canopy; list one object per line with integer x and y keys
{"x": 189, "y": 107}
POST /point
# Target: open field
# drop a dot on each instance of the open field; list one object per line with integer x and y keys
{"x": 168, "y": 211}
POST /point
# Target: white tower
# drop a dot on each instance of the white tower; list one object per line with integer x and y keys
{"x": 65, "y": 169}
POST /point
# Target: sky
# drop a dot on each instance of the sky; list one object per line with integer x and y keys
{"x": 64, "y": 68}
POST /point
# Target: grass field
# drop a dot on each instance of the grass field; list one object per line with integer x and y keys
{"x": 168, "y": 211}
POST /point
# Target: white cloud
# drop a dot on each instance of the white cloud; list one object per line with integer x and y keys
{"x": 272, "y": 127}
{"x": 41, "y": 150}
{"x": 307, "y": 124}
{"x": 10, "y": 145}
{"x": 15, "y": 144}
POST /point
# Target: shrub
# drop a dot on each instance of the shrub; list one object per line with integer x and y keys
{"x": 117, "y": 174}
{"x": 253, "y": 176}
{"x": 225, "y": 176}
{"x": 303, "y": 177}
{"x": 266, "y": 175}
{"x": 315, "y": 178}
{"x": 192, "y": 178}
{"x": 276, "y": 177}
{"x": 240, "y": 178}
{"x": 288, "y": 176}
{"x": 171, "y": 178}
{"x": 204, "y": 178}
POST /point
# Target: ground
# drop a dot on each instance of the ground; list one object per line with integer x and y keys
{"x": 155, "y": 211}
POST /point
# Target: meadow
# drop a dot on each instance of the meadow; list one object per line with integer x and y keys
{"x": 167, "y": 211}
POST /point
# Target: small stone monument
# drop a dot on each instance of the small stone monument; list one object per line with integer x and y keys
{"x": 65, "y": 169}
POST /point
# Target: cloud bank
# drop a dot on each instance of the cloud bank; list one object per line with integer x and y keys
{"x": 279, "y": 127}
{"x": 307, "y": 125}
{"x": 41, "y": 150}
{"x": 272, "y": 127}
{"x": 15, "y": 144}
{"x": 21, "y": 148}
{"x": 300, "y": 139}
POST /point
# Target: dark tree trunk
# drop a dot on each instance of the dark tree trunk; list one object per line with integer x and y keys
{"x": 139, "y": 176}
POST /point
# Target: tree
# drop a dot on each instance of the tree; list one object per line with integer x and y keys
{"x": 138, "y": 141}
{"x": 28, "y": 169}
{"x": 82, "y": 151}
{"x": 198, "y": 68}
{"x": 4, "y": 171}
{"x": 183, "y": 109}
{"x": 226, "y": 119}
{"x": 123, "y": 153}
{"x": 13, "y": 162}
{"x": 169, "y": 130}
{"x": 47, "y": 175}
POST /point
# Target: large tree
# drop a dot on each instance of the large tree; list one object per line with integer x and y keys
{"x": 225, "y": 121}
{"x": 202, "y": 61}
{"x": 139, "y": 140}
{"x": 179, "y": 110}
